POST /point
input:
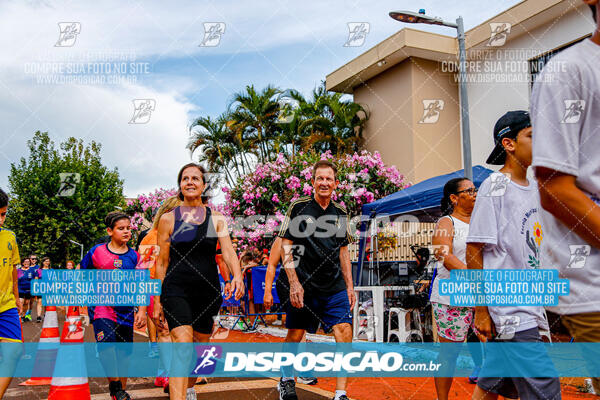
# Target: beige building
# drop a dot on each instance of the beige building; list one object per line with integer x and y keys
{"x": 408, "y": 82}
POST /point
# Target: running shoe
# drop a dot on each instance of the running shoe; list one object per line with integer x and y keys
{"x": 342, "y": 397}
{"x": 191, "y": 394}
{"x": 120, "y": 395}
{"x": 277, "y": 322}
{"x": 287, "y": 390}
{"x": 27, "y": 317}
{"x": 307, "y": 380}
{"x": 474, "y": 375}
{"x": 38, "y": 319}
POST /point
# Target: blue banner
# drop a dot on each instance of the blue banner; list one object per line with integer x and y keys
{"x": 358, "y": 359}
{"x": 258, "y": 284}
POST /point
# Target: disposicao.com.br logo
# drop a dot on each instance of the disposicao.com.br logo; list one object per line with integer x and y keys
{"x": 352, "y": 362}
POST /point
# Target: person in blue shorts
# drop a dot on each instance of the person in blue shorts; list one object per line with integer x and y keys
{"x": 10, "y": 324}
{"x": 26, "y": 275}
{"x": 114, "y": 324}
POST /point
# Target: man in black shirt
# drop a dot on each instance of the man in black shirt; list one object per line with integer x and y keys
{"x": 315, "y": 236}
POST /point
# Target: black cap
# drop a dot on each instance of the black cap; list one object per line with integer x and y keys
{"x": 508, "y": 126}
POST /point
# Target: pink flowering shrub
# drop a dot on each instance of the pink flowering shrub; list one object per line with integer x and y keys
{"x": 144, "y": 206}
{"x": 272, "y": 187}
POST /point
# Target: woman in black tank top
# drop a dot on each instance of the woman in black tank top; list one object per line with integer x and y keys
{"x": 186, "y": 265}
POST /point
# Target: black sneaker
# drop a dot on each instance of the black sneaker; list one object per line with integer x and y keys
{"x": 342, "y": 397}
{"x": 287, "y": 390}
{"x": 120, "y": 395}
{"x": 38, "y": 320}
{"x": 307, "y": 380}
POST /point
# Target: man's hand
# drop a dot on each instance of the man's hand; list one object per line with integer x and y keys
{"x": 483, "y": 323}
{"x": 296, "y": 294}
{"x": 351, "y": 298}
{"x": 237, "y": 285}
{"x": 268, "y": 299}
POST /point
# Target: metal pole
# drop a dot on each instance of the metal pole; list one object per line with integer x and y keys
{"x": 464, "y": 102}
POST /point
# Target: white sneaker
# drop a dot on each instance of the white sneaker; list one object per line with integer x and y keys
{"x": 191, "y": 394}
{"x": 277, "y": 322}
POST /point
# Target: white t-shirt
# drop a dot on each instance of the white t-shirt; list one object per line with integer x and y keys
{"x": 568, "y": 141}
{"x": 507, "y": 221}
{"x": 459, "y": 249}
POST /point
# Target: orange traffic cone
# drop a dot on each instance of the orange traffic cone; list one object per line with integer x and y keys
{"x": 64, "y": 388}
{"x": 46, "y": 354}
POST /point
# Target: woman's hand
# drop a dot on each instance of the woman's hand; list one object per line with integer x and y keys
{"x": 237, "y": 285}
{"x": 140, "y": 319}
{"x": 268, "y": 299}
{"x": 158, "y": 315}
{"x": 227, "y": 290}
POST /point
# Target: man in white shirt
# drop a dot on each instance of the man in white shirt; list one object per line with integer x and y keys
{"x": 565, "y": 110}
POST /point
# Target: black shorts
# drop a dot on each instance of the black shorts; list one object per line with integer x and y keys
{"x": 198, "y": 312}
{"x": 25, "y": 296}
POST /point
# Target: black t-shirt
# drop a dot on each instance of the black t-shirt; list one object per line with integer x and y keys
{"x": 317, "y": 235}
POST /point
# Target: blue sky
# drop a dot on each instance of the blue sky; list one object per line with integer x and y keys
{"x": 284, "y": 43}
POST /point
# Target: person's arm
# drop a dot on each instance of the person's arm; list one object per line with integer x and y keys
{"x": 561, "y": 197}
{"x": 346, "y": 266}
{"x": 442, "y": 244}
{"x": 483, "y": 321}
{"x": 15, "y": 277}
{"x": 274, "y": 257}
{"x": 165, "y": 229}
{"x": 229, "y": 256}
{"x": 296, "y": 289}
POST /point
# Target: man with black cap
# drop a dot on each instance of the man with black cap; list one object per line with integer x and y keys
{"x": 505, "y": 233}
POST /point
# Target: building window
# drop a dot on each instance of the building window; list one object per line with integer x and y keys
{"x": 537, "y": 64}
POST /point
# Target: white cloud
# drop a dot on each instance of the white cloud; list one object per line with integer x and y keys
{"x": 149, "y": 155}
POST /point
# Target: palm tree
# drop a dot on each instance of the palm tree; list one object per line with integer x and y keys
{"x": 213, "y": 137}
{"x": 257, "y": 113}
{"x": 251, "y": 131}
{"x": 331, "y": 123}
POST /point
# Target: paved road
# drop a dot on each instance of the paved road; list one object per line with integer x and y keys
{"x": 143, "y": 388}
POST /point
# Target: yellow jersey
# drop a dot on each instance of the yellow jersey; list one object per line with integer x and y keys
{"x": 9, "y": 257}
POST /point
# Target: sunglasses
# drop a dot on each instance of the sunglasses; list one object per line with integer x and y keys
{"x": 471, "y": 191}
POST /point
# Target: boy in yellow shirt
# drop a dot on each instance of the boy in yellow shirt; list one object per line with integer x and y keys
{"x": 10, "y": 324}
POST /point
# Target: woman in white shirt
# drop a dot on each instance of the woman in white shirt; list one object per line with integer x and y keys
{"x": 449, "y": 241}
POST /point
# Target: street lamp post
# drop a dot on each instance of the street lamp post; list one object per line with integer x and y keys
{"x": 421, "y": 18}
{"x": 81, "y": 246}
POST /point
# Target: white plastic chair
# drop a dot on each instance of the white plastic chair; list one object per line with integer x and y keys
{"x": 409, "y": 325}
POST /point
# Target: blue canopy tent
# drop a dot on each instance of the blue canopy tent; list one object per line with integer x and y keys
{"x": 421, "y": 200}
